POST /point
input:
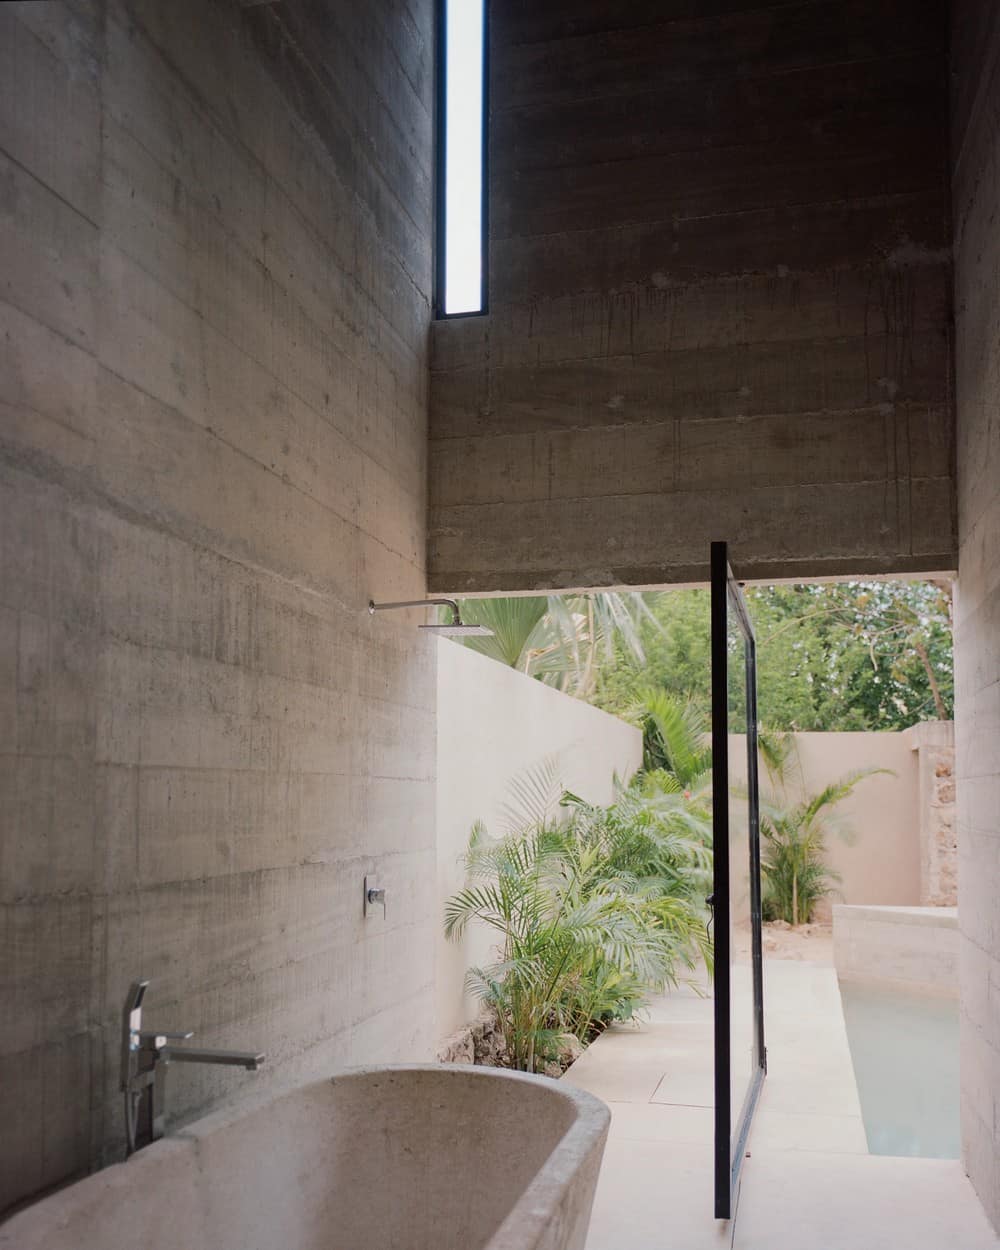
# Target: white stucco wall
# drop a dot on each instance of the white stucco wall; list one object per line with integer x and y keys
{"x": 493, "y": 723}
{"x": 882, "y": 863}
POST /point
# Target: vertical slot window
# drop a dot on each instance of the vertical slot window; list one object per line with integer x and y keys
{"x": 462, "y": 114}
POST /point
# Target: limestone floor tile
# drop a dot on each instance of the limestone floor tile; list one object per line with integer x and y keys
{"x": 803, "y": 1084}
{"x": 830, "y": 1134}
{"x": 686, "y": 1087}
{"x": 809, "y": 1183}
{"x": 661, "y": 1122}
{"x": 616, "y": 1077}
{"x": 664, "y": 1035}
{"x": 663, "y": 1063}
{"x": 807, "y": 1201}
{"x": 690, "y": 1010}
{"x": 656, "y": 1196}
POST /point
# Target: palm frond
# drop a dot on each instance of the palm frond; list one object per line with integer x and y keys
{"x": 593, "y": 912}
{"x": 533, "y": 796}
{"x": 514, "y": 622}
{"x": 682, "y": 733}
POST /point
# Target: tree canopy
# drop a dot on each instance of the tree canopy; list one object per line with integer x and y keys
{"x": 838, "y": 656}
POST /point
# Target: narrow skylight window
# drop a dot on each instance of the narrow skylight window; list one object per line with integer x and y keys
{"x": 461, "y": 276}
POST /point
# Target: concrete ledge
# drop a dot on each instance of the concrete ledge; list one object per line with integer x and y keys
{"x": 913, "y": 948}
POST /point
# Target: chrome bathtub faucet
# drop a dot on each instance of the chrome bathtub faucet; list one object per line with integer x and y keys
{"x": 146, "y": 1056}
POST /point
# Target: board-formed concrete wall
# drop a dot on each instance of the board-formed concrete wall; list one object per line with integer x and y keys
{"x": 720, "y": 299}
{"x": 215, "y": 228}
{"x": 496, "y": 725}
{"x": 976, "y": 158}
{"x": 903, "y": 948}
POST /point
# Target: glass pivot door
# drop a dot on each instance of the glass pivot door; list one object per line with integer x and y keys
{"x": 740, "y": 1057}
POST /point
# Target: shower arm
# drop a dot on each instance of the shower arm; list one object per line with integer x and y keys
{"x": 374, "y": 607}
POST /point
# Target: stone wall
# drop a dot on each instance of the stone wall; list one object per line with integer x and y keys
{"x": 215, "y": 228}
{"x": 720, "y": 299}
{"x": 934, "y": 744}
{"x": 976, "y": 193}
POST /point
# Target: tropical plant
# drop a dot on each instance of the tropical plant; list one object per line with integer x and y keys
{"x": 560, "y": 639}
{"x": 677, "y": 755}
{"x": 835, "y": 656}
{"x": 593, "y": 908}
{"x": 675, "y": 740}
{"x": 794, "y": 833}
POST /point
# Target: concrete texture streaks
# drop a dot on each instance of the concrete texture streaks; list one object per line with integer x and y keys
{"x": 976, "y": 188}
{"x": 215, "y": 226}
{"x": 495, "y": 727}
{"x": 720, "y": 301}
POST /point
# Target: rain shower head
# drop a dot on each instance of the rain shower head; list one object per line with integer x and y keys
{"x": 454, "y": 629}
{"x": 457, "y": 630}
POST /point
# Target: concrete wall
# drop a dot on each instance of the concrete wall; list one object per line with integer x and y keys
{"x": 720, "y": 299}
{"x": 882, "y": 863}
{"x": 214, "y": 273}
{"x": 904, "y": 948}
{"x": 493, "y": 724}
{"x": 976, "y": 157}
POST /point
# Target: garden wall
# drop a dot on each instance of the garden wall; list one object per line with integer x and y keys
{"x": 215, "y": 231}
{"x": 493, "y": 723}
{"x": 889, "y": 814}
{"x": 882, "y": 865}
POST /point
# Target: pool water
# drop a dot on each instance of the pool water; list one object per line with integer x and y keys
{"x": 904, "y": 1047}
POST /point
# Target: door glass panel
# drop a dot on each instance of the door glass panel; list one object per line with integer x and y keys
{"x": 742, "y": 1060}
{"x": 739, "y": 1027}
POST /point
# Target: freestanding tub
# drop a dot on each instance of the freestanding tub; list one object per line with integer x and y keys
{"x": 421, "y": 1157}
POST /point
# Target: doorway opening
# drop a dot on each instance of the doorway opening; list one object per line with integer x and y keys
{"x": 856, "y": 690}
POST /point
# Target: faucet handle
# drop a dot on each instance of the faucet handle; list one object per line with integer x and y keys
{"x": 374, "y": 895}
{"x": 159, "y": 1040}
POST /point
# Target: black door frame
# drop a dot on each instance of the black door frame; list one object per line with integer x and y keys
{"x": 730, "y": 1146}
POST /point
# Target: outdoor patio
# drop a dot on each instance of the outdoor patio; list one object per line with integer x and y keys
{"x": 809, "y": 1183}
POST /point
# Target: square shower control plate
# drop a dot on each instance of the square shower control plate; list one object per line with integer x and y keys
{"x": 374, "y": 896}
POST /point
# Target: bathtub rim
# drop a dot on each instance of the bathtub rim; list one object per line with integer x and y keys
{"x": 522, "y": 1228}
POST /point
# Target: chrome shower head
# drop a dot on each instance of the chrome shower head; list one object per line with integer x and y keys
{"x": 457, "y": 630}
{"x": 454, "y": 629}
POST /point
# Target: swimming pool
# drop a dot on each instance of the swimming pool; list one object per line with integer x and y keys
{"x": 904, "y": 1048}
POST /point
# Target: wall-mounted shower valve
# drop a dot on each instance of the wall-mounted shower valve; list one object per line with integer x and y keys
{"x": 374, "y": 895}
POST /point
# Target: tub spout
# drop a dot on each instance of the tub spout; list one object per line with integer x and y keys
{"x": 248, "y": 1059}
{"x": 146, "y": 1058}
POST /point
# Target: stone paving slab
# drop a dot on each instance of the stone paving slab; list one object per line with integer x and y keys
{"x": 808, "y": 1184}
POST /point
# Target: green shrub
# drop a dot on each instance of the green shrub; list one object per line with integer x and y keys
{"x": 594, "y": 908}
{"x": 794, "y": 836}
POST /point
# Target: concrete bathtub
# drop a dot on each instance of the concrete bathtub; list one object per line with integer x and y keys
{"x": 414, "y": 1157}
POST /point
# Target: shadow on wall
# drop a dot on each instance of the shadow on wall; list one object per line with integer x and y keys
{"x": 493, "y": 723}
